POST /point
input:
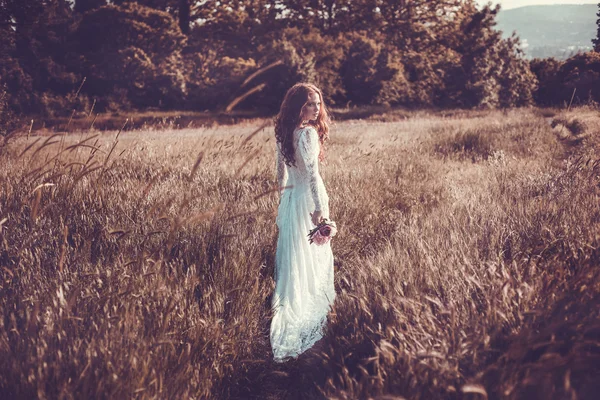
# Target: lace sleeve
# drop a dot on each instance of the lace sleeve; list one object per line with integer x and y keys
{"x": 282, "y": 173}
{"x": 308, "y": 147}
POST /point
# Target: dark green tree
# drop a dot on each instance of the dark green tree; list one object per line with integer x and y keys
{"x": 493, "y": 71}
{"x": 185, "y": 11}
{"x": 242, "y": 24}
{"x": 137, "y": 58}
{"x": 82, "y": 6}
{"x": 364, "y": 71}
{"x": 580, "y": 74}
{"x": 328, "y": 16}
{"x": 35, "y": 66}
{"x": 596, "y": 40}
{"x": 306, "y": 55}
{"x": 517, "y": 82}
{"x": 550, "y": 88}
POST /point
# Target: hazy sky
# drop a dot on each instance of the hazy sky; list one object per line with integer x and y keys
{"x": 506, "y": 4}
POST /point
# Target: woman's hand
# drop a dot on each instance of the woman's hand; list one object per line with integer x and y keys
{"x": 316, "y": 216}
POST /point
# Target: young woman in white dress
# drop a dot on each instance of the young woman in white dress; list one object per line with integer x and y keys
{"x": 304, "y": 290}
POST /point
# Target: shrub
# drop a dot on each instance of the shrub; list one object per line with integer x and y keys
{"x": 308, "y": 56}
{"x": 580, "y": 73}
{"x": 139, "y": 51}
{"x": 372, "y": 74}
{"x": 8, "y": 120}
{"x": 214, "y": 77}
{"x": 549, "y": 89}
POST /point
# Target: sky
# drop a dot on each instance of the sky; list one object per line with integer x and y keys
{"x": 506, "y": 4}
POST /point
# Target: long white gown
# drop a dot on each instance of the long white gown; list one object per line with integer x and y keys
{"x": 304, "y": 289}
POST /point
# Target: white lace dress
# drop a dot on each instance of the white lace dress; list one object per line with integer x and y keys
{"x": 304, "y": 288}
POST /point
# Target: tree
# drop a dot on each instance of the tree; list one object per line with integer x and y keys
{"x": 550, "y": 87}
{"x": 141, "y": 53}
{"x": 596, "y": 41}
{"x": 186, "y": 11}
{"x": 366, "y": 70}
{"x": 517, "y": 82}
{"x": 35, "y": 64}
{"x": 242, "y": 24}
{"x": 580, "y": 73}
{"x": 82, "y": 6}
{"x": 301, "y": 55}
{"x": 493, "y": 70}
{"x": 330, "y": 17}
{"x": 8, "y": 120}
{"x": 138, "y": 55}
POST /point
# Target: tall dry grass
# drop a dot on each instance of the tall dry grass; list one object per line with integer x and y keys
{"x": 139, "y": 264}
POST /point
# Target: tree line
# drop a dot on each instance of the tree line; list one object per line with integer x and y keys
{"x": 64, "y": 55}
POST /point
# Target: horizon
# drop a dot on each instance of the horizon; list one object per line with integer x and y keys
{"x": 510, "y": 4}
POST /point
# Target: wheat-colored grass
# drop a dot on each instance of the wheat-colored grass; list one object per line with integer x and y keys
{"x": 139, "y": 264}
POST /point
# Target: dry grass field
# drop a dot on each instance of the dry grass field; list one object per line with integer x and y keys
{"x": 139, "y": 265}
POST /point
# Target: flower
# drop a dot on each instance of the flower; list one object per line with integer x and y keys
{"x": 323, "y": 232}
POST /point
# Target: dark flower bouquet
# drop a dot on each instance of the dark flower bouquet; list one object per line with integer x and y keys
{"x": 323, "y": 232}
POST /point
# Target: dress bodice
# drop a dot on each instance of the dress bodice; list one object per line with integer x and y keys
{"x": 303, "y": 178}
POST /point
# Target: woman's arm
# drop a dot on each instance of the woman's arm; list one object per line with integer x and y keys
{"x": 308, "y": 147}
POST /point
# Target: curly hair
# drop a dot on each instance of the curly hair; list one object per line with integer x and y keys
{"x": 289, "y": 117}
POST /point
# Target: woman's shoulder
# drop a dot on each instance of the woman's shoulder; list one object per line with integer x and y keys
{"x": 305, "y": 130}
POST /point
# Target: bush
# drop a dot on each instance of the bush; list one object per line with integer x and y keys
{"x": 372, "y": 74}
{"x": 582, "y": 74}
{"x": 578, "y": 77}
{"x": 549, "y": 89}
{"x": 307, "y": 56}
{"x": 214, "y": 77}
{"x": 139, "y": 51}
{"x": 495, "y": 74}
{"x": 8, "y": 121}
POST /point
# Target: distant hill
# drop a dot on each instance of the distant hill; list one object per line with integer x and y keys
{"x": 551, "y": 30}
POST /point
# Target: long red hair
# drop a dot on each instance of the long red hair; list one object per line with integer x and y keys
{"x": 289, "y": 117}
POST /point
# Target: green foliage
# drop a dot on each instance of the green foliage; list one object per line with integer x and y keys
{"x": 371, "y": 73}
{"x": 427, "y": 61}
{"x": 517, "y": 81}
{"x": 138, "y": 54}
{"x": 330, "y": 16}
{"x": 299, "y": 65}
{"x": 35, "y": 65}
{"x": 427, "y": 79}
{"x": 577, "y": 77}
{"x": 8, "y": 120}
{"x": 242, "y": 24}
{"x": 596, "y": 40}
{"x": 307, "y": 56}
{"x": 196, "y": 55}
{"x": 359, "y": 70}
{"x": 87, "y": 5}
{"x": 550, "y": 85}
{"x": 582, "y": 74}
{"x": 214, "y": 77}
{"x": 395, "y": 88}
{"x": 494, "y": 73}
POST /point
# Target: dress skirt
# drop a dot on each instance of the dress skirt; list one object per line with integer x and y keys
{"x": 304, "y": 289}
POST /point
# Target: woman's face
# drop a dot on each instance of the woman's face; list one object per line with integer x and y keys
{"x": 311, "y": 109}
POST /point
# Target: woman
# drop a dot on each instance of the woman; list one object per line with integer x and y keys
{"x": 304, "y": 288}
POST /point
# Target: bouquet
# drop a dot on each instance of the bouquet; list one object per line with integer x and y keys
{"x": 323, "y": 232}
